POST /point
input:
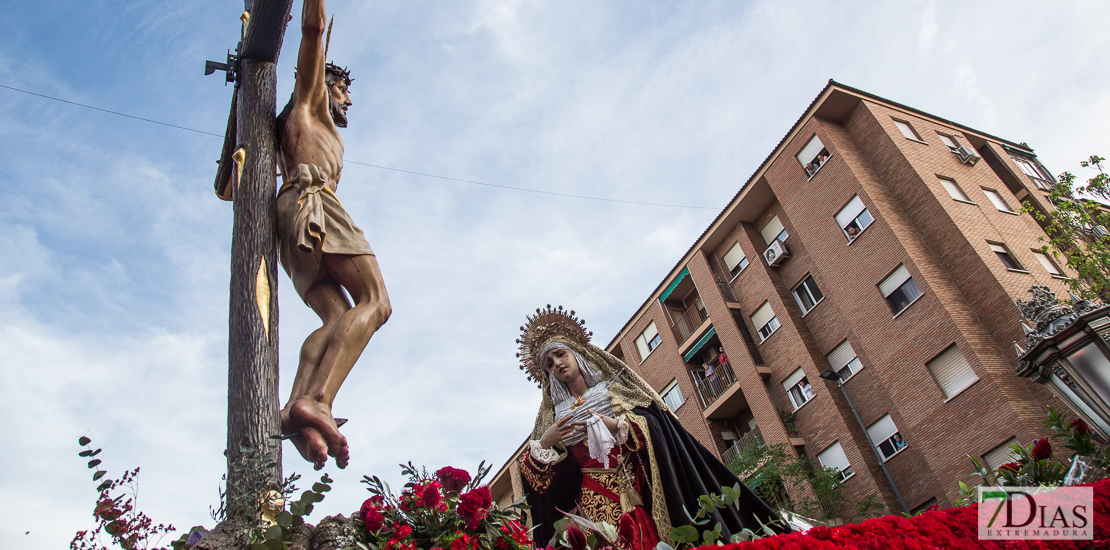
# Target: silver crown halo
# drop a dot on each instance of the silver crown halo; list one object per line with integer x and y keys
{"x": 541, "y": 327}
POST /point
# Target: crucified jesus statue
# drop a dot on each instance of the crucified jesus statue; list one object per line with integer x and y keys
{"x": 321, "y": 249}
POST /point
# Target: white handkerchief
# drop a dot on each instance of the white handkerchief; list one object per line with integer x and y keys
{"x": 600, "y": 440}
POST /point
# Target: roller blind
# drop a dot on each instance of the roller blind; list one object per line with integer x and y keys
{"x": 1001, "y": 454}
{"x": 997, "y": 200}
{"x": 794, "y": 378}
{"x": 881, "y": 430}
{"x": 834, "y": 457}
{"x": 906, "y": 130}
{"x": 895, "y": 280}
{"x": 771, "y": 230}
{"x": 953, "y": 190}
{"x": 809, "y": 152}
{"x": 734, "y": 256}
{"x": 949, "y": 142}
{"x": 998, "y": 248}
{"x": 952, "y": 371}
{"x": 762, "y": 315}
{"x": 850, "y": 211}
{"x": 644, "y": 338}
{"x": 841, "y": 355}
{"x": 1047, "y": 263}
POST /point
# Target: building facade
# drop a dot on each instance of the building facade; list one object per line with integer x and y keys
{"x": 887, "y": 245}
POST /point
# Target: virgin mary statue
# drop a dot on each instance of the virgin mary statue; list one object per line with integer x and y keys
{"x": 607, "y": 447}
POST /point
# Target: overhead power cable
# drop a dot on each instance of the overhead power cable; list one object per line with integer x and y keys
{"x": 524, "y": 189}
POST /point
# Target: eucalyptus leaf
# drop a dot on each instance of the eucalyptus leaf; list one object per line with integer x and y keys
{"x": 684, "y": 533}
{"x": 284, "y": 519}
{"x": 259, "y": 546}
{"x": 319, "y": 487}
{"x": 298, "y": 521}
{"x": 94, "y": 463}
{"x": 83, "y": 441}
{"x": 99, "y": 475}
{"x": 86, "y": 452}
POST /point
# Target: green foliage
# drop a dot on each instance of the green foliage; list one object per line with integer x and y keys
{"x": 768, "y": 470}
{"x": 1073, "y": 233}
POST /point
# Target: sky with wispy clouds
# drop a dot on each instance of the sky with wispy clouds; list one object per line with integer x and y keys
{"x": 114, "y": 252}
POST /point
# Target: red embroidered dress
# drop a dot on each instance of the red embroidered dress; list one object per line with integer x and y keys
{"x": 613, "y": 494}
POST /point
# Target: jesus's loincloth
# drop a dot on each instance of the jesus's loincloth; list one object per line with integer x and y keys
{"x": 312, "y": 222}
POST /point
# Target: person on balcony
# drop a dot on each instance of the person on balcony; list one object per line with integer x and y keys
{"x": 606, "y": 446}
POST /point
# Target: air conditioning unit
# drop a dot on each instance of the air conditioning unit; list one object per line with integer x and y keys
{"x": 776, "y": 253}
{"x": 967, "y": 155}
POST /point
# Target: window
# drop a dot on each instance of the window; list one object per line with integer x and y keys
{"x": 949, "y": 142}
{"x": 798, "y": 388}
{"x": 1003, "y": 254}
{"x": 907, "y": 130}
{"x": 673, "y": 396}
{"x": 807, "y": 294}
{"x": 1001, "y": 454}
{"x": 1049, "y": 265}
{"x": 997, "y": 200}
{"x": 853, "y": 218}
{"x": 886, "y": 437}
{"x": 813, "y": 156}
{"x": 953, "y": 190}
{"x": 1033, "y": 170}
{"x": 834, "y": 458}
{"x": 774, "y": 230}
{"x": 843, "y": 360}
{"x": 952, "y": 371}
{"x": 648, "y": 340}
{"x": 735, "y": 260}
{"x": 765, "y": 321}
{"x": 899, "y": 289}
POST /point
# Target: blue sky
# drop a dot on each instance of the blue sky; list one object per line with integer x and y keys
{"x": 114, "y": 252}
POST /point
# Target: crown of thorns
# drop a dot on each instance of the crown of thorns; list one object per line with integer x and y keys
{"x": 341, "y": 71}
{"x": 546, "y": 324}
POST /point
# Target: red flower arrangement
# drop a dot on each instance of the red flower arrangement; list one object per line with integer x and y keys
{"x": 954, "y": 528}
{"x": 430, "y": 513}
{"x": 453, "y": 479}
{"x": 474, "y": 506}
{"x": 1080, "y": 426}
{"x": 1042, "y": 449}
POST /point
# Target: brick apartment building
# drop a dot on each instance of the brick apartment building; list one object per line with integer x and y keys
{"x": 883, "y": 243}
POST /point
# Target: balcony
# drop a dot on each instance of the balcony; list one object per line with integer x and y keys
{"x": 711, "y": 387}
{"x": 749, "y": 443}
{"x": 687, "y": 323}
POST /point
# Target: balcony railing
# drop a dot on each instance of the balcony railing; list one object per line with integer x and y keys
{"x": 712, "y": 386}
{"x": 752, "y": 441}
{"x": 753, "y": 349}
{"x": 687, "y": 323}
{"x": 726, "y": 290}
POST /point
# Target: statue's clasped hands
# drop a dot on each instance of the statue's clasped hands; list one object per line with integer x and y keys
{"x": 563, "y": 428}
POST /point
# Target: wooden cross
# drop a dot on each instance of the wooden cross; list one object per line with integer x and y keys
{"x": 247, "y": 177}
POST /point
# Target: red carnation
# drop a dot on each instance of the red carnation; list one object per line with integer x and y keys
{"x": 453, "y": 479}
{"x": 371, "y": 513}
{"x": 1042, "y": 449}
{"x": 473, "y": 506}
{"x": 430, "y": 497}
{"x": 1080, "y": 426}
{"x": 464, "y": 542}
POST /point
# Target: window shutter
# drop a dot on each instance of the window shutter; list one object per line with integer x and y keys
{"x": 809, "y": 152}
{"x": 952, "y": 371}
{"x": 641, "y": 346}
{"x": 1047, "y": 263}
{"x": 834, "y": 457}
{"x": 771, "y": 230}
{"x": 733, "y": 257}
{"x": 762, "y": 315}
{"x": 906, "y": 130}
{"x": 882, "y": 429}
{"x": 953, "y": 190}
{"x": 997, "y": 200}
{"x": 849, "y": 212}
{"x": 948, "y": 142}
{"x": 1001, "y": 454}
{"x": 999, "y": 248}
{"x": 793, "y": 379}
{"x": 895, "y": 280}
{"x": 650, "y": 332}
{"x": 842, "y": 355}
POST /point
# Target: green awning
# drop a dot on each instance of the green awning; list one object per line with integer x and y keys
{"x": 701, "y": 344}
{"x": 682, "y": 275}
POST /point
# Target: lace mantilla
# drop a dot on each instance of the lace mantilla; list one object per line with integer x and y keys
{"x": 541, "y": 455}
